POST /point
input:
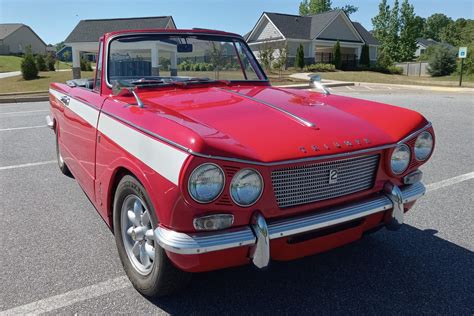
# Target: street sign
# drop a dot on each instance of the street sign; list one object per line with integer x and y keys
{"x": 462, "y": 52}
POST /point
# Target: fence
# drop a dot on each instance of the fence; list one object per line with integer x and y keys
{"x": 414, "y": 69}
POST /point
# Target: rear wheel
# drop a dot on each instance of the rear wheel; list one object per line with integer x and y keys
{"x": 62, "y": 165}
{"x": 145, "y": 262}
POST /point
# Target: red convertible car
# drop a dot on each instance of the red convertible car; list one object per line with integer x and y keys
{"x": 197, "y": 163}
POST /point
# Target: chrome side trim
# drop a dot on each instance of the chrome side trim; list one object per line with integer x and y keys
{"x": 293, "y": 116}
{"x": 259, "y": 232}
{"x": 252, "y": 162}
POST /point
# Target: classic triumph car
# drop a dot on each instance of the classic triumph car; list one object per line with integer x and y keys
{"x": 197, "y": 163}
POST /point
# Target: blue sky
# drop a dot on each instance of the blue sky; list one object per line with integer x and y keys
{"x": 54, "y": 20}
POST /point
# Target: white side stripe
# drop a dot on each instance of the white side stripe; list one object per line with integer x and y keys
{"x": 163, "y": 158}
{"x": 87, "y": 113}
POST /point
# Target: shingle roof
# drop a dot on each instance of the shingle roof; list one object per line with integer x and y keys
{"x": 308, "y": 27}
{"x": 92, "y": 30}
{"x": 8, "y": 28}
{"x": 368, "y": 38}
{"x": 426, "y": 42}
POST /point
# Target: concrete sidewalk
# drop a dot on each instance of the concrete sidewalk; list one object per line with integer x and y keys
{"x": 9, "y": 74}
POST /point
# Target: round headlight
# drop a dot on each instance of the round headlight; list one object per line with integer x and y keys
{"x": 246, "y": 187}
{"x": 206, "y": 183}
{"x": 400, "y": 159}
{"x": 423, "y": 146}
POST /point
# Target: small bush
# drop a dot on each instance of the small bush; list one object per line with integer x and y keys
{"x": 299, "y": 60}
{"x": 50, "y": 61}
{"x": 40, "y": 63}
{"x": 29, "y": 70}
{"x": 442, "y": 62}
{"x": 86, "y": 65}
{"x": 364, "y": 56}
{"x": 394, "y": 70}
{"x": 320, "y": 67}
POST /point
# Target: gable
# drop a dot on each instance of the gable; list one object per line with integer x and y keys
{"x": 339, "y": 29}
{"x": 265, "y": 31}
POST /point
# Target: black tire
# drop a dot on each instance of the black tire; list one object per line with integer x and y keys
{"x": 164, "y": 278}
{"x": 62, "y": 165}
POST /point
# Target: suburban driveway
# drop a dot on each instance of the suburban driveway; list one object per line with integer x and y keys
{"x": 59, "y": 257}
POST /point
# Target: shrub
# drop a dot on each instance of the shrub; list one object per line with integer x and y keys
{"x": 383, "y": 60}
{"x": 320, "y": 67}
{"x": 394, "y": 70}
{"x": 442, "y": 62}
{"x": 50, "y": 61}
{"x": 364, "y": 56}
{"x": 85, "y": 65}
{"x": 337, "y": 55}
{"x": 299, "y": 60}
{"x": 29, "y": 70}
{"x": 40, "y": 63}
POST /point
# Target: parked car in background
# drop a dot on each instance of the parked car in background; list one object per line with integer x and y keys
{"x": 197, "y": 163}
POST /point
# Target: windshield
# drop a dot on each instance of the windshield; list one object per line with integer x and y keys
{"x": 164, "y": 59}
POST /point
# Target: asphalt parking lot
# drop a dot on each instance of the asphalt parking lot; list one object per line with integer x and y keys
{"x": 59, "y": 257}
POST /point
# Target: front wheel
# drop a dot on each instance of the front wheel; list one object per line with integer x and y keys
{"x": 145, "y": 262}
{"x": 62, "y": 165}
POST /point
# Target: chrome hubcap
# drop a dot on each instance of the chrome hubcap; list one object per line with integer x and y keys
{"x": 137, "y": 234}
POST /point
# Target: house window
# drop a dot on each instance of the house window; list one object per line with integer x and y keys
{"x": 422, "y": 51}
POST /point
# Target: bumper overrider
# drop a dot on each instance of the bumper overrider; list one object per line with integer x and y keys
{"x": 258, "y": 234}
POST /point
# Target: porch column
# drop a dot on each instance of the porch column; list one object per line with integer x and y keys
{"x": 312, "y": 50}
{"x": 174, "y": 62}
{"x": 358, "y": 52}
{"x": 155, "y": 61}
{"x": 76, "y": 63}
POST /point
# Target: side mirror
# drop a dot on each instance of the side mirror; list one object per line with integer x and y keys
{"x": 315, "y": 83}
{"x": 123, "y": 89}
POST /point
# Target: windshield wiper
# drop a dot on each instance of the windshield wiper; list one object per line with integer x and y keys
{"x": 206, "y": 80}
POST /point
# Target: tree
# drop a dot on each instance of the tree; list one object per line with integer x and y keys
{"x": 435, "y": 25}
{"x": 311, "y": 7}
{"x": 66, "y": 56}
{"x": 383, "y": 60}
{"x": 59, "y": 46}
{"x": 40, "y": 63}
{"x": 337, "y": 55}
{"x": 282, "y": 59}
{"x": 393, "y": 33}
{"x": 442, "y": 62}
{"x": 28, "y": 65}
{"x": 381, "y": 22}
{"x": 299, "y": 60}
{"x": 50, "y": 61}
{"x": 408, "y": 32}
{"x": 364, "y": 56}
{"x": 419, "y": 25}
{"x": 266, "y": 56}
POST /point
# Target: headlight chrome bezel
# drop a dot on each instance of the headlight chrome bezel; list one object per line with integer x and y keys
{"x": 221, "y": 189}
{"x": 261, "y": 187}
{"x": 398, "y": 147}
{"x": 431, "y": 149}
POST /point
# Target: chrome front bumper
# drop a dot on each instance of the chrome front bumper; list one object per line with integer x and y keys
{"x": 258, "y": 234}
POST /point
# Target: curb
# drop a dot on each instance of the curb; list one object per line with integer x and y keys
{"x": 22, "y": 99}
{"x": 306, "y": 85}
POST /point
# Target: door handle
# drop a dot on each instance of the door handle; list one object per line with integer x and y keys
{"x": 65, "y": 100}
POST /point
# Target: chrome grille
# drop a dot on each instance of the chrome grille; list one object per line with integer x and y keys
{"x": 310, "y": 183}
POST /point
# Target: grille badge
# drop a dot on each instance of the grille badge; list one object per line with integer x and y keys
{"x": 333, "y": 176}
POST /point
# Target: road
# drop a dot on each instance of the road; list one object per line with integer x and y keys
{"x": 59, "y": 257}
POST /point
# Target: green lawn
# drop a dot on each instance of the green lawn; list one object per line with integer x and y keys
{"x": 9, "y": 63}
{"x": 17, "y": 84}
{"x": 13, "y": 63}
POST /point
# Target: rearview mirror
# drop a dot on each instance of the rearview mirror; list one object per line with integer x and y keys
{"x": 185, "y": 48}
{"x": 123, "y": 89}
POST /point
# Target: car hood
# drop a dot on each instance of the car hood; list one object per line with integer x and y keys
{"x": 267, "y": 124}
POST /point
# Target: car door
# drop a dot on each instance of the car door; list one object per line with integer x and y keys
{"x": 79, "y": 130}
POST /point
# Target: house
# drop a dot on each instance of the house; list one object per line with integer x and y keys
{"x": 85, "y": 36}
{"x": 422, "y": 45}
{"x": 317, "y": 33}
{"x": 16, "y": 37}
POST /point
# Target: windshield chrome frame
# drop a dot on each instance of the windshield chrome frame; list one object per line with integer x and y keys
{"x": 239, "y": 38}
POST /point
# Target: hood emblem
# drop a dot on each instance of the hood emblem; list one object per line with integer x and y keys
{"x": 337, "y": 145}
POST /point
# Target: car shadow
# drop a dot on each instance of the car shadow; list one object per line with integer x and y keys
{"x": 410, "y": 271}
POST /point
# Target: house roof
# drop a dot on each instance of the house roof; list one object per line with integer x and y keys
{"x": 308, "y": 27}
{"x": 368, "y": 38}
{"x": 426, "y": 42}
{"x": 92, "y": 30}
{"x": 6, "y": 29}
